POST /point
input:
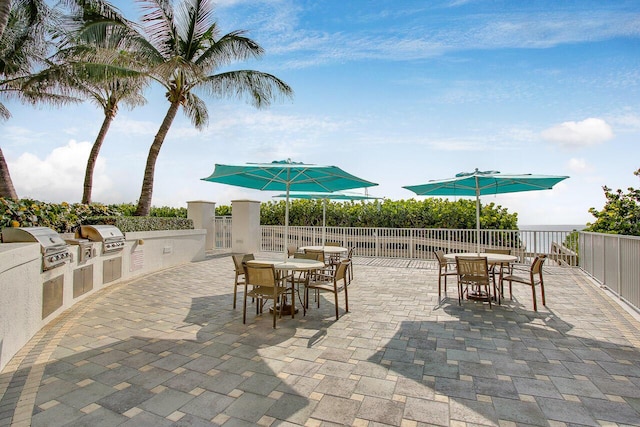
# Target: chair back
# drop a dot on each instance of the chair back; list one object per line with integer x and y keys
{"x": 332, "y": 243}
{"x": 260, "y": 274}
{"x": 301, "y": 255}
{"x": 536, "y": 265}
{"x": 239, "y": 260}
{"x": 291, "y": 250}
{"x": 473, "y": 269}
{"x": 341, "y": 271}
{"x": 319, "y": 254}
{"x": 440, "y": 257}
{"x": 350, "y": 253}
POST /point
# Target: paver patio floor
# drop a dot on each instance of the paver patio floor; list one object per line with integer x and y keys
{"x": 168, "y": 350}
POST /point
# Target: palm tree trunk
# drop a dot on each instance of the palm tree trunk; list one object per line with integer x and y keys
{"x": 6, "y": 185}
{"x": 144, "y": 203}
{"x": 93, "y": 156}
{"x": 5, "y": 10}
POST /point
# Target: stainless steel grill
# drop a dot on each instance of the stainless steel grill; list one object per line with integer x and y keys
{"x": 111, "y": 237}
{"x": 55, "y": 252}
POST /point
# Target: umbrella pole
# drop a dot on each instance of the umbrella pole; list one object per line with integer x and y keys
{"x": 324, "y": 221}
{"x": 286, "y": 226}
{"x": 477, "y": 216}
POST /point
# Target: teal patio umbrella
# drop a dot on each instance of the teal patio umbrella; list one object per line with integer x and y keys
{"x": 479, "y": 183}
{"x": 287, "y": 176}
{"x": 338, "y": 195}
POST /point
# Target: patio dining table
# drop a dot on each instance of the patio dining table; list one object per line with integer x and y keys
{"x": 292, "y": 264}
{"x": 328, "y": 249}
{"x": 492, "y": 259}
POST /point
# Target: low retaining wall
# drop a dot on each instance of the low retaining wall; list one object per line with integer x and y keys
{"x": 31, "y": 298}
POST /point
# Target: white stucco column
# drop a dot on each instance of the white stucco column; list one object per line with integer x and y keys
{"x": 203, "y": 213}
{"x": 245, "y": 226}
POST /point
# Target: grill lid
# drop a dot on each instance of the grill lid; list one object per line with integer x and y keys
{"x": 47, "y": 237}
{"x": 101, "y": 233}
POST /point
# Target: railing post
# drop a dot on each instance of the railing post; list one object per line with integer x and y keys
{"x": 375, "y": 242}
{"x": 619, "y": 266}
{"x": 411, "y": 239}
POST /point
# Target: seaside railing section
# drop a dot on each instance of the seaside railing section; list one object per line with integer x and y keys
{"x": 419, "y": 243}
{"x": 612, "y": 260}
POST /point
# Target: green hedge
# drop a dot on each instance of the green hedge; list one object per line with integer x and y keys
{"x": 142, "y": 223}
{"x": 428, "y": 213}
{"x": 65, "y": 217}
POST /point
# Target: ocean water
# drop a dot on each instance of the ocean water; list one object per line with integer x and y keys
{"x": 542, "y": 242}
{"x": 546, "y": 227}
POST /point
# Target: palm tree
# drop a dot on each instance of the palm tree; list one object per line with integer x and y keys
{"x": 92, "y": 39}
{"x": 183, "y": 51}
{"x": 22, "y": 45}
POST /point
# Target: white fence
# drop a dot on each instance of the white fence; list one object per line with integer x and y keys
{"x": 419, "y": 243}
{"x": 412, "y": 243}
{"x": 613, "y": 260}
{"x": 610, "y": 259}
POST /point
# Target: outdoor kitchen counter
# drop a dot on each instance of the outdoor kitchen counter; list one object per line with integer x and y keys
{"x": 18, "y": 253}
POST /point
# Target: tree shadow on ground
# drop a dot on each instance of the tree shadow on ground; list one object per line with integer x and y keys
{"x": 208, "y": 369}
{"x": 489, "y": 366}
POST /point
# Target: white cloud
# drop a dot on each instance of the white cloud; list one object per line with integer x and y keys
{"x": 588, "y": 132}
{"x": 579, "y": 165}
{"x": 628, "y": 121}
{"x": 17, "y": 135}
{"x": 59, "y": 176}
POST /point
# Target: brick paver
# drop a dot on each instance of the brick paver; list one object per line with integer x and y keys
{"x": 169, "y": 349}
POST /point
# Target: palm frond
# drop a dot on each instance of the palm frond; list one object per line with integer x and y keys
{"x": 159, "y": 25}
{"x": 23, "y": 43}
{"x": 5, "y": 114}
{"x": 193, "y": 24}
{"x": 231, "y": 47}
{"x": 260, "y": 89}
{"x": 196, "y": 110}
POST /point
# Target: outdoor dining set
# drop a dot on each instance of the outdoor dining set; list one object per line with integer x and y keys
{"x": 308, "y": 270}
{"x": 480, "y": 275}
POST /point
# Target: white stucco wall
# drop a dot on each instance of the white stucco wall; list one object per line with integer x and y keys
{"x": 22, "y": 279}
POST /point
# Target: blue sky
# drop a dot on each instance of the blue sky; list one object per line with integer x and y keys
{"x": 396, "y": 92}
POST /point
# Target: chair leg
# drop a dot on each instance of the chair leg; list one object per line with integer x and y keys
{"x": 235, "y": 294}
{"x": 335, "y": 294}
{"x": 275, "y": 301}
{"x": 544, "y": 302}
{"x": 244, "y": 305}
{"x": 346, "y": 299}
{"x": 535, "y": 304}
{"x": 293, "y": 301}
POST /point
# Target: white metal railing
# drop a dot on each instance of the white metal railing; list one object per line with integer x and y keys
{"x": 419, "y": 243}
{"x": 222, "y": 232}
{"x": 612, "y": 260}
